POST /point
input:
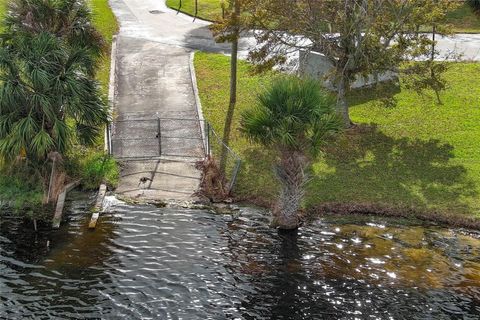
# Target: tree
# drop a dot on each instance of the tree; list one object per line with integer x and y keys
{"x": 70, "y": 20}
{"x": 358, "y": 37}
{"x": 475, "y": 5}
{"x": 228, "y": 29}
{"x": 48, "y": 96}
{"x": 295, "y": 117}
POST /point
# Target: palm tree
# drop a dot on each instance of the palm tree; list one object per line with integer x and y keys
{"x": 70, "y": 20}
{"x": 294, "y": 117}
{"x": 48, "y": 96}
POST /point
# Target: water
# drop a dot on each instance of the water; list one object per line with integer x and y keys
{"x": 151, "y": 263}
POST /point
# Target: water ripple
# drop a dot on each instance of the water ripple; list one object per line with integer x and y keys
{"x": 151, "y": 263}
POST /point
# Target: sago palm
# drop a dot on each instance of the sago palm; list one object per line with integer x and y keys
{"x": 294, "y": 117}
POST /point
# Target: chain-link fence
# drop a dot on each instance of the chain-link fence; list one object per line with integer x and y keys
{"x": 157, "y": 137}
{"x": 181, "y": 137}
{"x": 184, "y": 139}
{"x": 136, "y": 138}
{"x": 225, "y": 157}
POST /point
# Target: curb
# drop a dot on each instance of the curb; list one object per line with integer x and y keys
{"x": 198, "y": 102}
{"x": 111, "y": 94}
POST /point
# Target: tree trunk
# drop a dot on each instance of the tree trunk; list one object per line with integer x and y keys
{"x": 342, "y": 104}
{"x": 291, "y": 175}
{"x": 432, "y": 61}
{"x": 233, "y": 94}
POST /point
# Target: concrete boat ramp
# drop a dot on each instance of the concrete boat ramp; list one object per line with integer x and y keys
{"x": 156, "y": 133}
{"x": 157, "y": 130}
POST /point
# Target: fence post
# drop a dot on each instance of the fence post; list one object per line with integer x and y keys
{"x": 207, "y": 138}
{"x": 109, "y": 139}
{"x": 234, "y": 175}
{"x": 159, "y": 136}
{"x": 179, "y": 6}
{"x": 196, "y": 10}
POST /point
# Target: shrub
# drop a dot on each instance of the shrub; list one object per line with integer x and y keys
{"x": 20, "y": 188}
{"x": 93, "y": 168}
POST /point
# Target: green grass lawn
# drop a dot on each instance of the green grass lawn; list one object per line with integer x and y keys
{"x": 463, "y": 19}
{"x": 207, "y": 9}
{"x": 416, "y": 153}
{"x": 3, "y": 4}
{"x": 106, "y": 23}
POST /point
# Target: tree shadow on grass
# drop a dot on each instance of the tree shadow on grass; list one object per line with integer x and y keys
{"x": 383, "y": 93}
{"x": 256, "y": 179}
{"x": 368, "y": 166}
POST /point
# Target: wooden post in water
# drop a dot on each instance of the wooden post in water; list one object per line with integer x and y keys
{"x": 98, "y": 206}
{"x": 57, "y": 218}
{"x": 93, "y": 220}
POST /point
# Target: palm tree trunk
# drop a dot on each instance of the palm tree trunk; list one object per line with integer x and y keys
{"x": 290, "y": 173}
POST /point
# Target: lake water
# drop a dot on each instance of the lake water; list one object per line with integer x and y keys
{"x": 144, "y": 262}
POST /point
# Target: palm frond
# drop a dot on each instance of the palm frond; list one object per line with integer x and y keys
{"x": 42, "y": 144}
{"x": 48, "y": 95}
{"x": 293, "y": 113}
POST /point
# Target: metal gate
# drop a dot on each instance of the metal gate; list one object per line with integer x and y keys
{"x": 157, "y": 137}
{"x": 170, "y": 138}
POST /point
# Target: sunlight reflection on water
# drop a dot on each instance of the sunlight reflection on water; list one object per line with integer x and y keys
{"x": 165, "y": 263}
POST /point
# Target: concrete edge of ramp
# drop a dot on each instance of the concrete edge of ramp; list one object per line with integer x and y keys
{"x": 111, "y": 94}
{"x": 198, "y": 102}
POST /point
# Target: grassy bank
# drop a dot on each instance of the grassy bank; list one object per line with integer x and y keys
{"x": 107, "y": 24}
{"x": 19, "y": 192}
{"x": 413, "y": 154}
{"x": 207, "y": 9}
